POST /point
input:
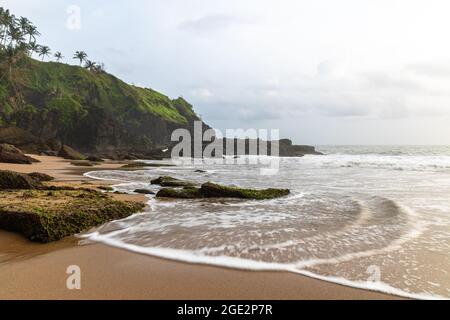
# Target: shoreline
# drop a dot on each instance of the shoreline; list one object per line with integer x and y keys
{"x": 38, "y": 271}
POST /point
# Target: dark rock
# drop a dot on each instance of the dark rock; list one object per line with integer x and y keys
{"x": 94, "y": 158}
{"x": 144, "y": 191}
{"x": 184, "y": 193}
{"x": 82, "y": 163}
{"x": 11, "y": 154}
{"x": 41, "y": 177}
{"x": 50, "y": 153}
{"x": 140, "y": 164}
{"x": 167, "y": 181}
{"x": 200, "y": 171}
{"x": 10, "y": 180}
{"x": 23, "y": 140}
{"x": 67, "y": 152}
{"x": 106, "y": 188}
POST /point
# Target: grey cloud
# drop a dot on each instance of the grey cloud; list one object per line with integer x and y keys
{"x": 214, "y": 22}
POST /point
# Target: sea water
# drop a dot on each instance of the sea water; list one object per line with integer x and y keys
{"x": 374, "y": 217}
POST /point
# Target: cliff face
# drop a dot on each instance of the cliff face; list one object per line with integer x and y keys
{"x": 90, "y": 111}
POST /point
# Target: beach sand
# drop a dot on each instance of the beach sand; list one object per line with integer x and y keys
{"x": 38, "y": 271}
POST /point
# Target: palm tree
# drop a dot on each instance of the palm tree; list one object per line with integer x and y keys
{"x": 44, "y": 51}
{"x": 7, "y": 21}
{"x": 90, "y": 65}
{"x": 80, "y": 55}
{"x": 24, "y": 23}
{"x": 58, "y": 56}
{"x": 33, "y": 47}
{"x": 32, "y": 32}
{"x": 15, "y": 35}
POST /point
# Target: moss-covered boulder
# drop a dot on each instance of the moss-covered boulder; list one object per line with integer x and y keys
{"x": 44, "y": 216}
{"x": 167, "y": 181}
{"x": 11, "y": 154}
{"x": 183, "y": 193}
{"x": 69, "y": 153}
{"x": 212, "y": 190}
{"x": 10, "y": 180}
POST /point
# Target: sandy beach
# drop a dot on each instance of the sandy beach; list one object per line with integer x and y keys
{"x": 38, "y": 271}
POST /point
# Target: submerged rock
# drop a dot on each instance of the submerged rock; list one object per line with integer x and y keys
{"x": 140, "y": 164}
{"x": 10, "y": 180}
{"x": 183, "y": 193}
{"x": 45, "y": 216}
{"x": 167, "y": 181}
{"x": 11, "y": 154}
{"x": 212, "y": 190}
{"x": 144, "y": 191}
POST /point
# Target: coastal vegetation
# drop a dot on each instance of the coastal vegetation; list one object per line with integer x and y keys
{"x": 80, "y": 105}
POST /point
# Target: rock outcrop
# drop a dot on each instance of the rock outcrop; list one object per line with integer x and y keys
{"x": 213, "y": 190}
{"x": 10, "y": 180}
{"x": 11, "y": 154}
{"x": 44, "y": 216}
{"x": 167, "y": 181}
{"x": 69, "y": 153}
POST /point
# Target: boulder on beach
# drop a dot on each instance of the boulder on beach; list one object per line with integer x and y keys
{"x": 69, "y": 153}
{"x": 83, "y": 163}
{"x": 44, "y": 216}
{"x": 143, "y": 191}
{"x": 10, "y": 180}
{"x": 213, "y": 190}
{"x": 11, "y": 154}
{"x": 95, "y": 158}
{"x": 41, "y": 177}
{"x": 167, "y": 181}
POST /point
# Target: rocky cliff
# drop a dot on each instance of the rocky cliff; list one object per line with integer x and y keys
{"x": 93, "y": 112}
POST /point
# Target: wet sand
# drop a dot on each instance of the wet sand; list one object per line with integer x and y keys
{"x": 38, "y": 271}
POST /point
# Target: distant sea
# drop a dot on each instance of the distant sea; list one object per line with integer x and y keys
{"x": 374, "y": 217}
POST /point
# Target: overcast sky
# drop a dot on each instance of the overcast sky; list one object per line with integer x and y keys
{"x": 322, "y": 71}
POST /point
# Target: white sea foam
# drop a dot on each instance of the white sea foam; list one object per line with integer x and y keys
{"x": 251, "y": 265}
{"x": 344, "y": 209}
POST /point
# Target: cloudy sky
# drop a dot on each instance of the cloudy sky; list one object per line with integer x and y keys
{"x": 322, "y": 71}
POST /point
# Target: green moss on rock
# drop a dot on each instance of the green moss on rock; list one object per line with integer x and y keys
{"x": 45, "y": 216}
{"x": 184, "y": 193}
{"x": 212, "y": 190}
{"x": 16, "y": 180}
{"x": 167, "y": 181}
